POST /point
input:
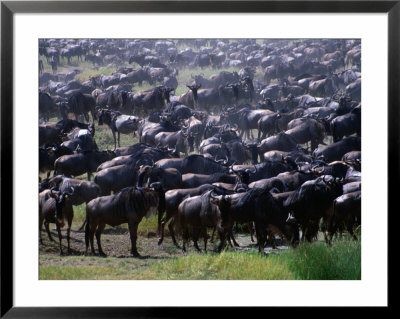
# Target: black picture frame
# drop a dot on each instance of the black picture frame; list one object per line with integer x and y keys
{"x": 9, "y": 8}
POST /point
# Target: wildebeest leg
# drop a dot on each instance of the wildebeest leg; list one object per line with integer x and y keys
{"x": 87, "y": 231}
{"x": 59, "y": 238}
{"x": 41, "y": 219}
{"x": 99, "y": 230}
{"x": 159, "y": 220}
{"x": 133, "y": 226}
{"x": 230, "y": 236}
{"x": 93, "y": 115}
{"x": 92, "y": 230}
{"x": 46, "y": 225}
{"x": 184, "y": 238}
{"x": 195, "y": 237}
{"x": 171, "y": 231}
{"x": 115, "y": 140}
{"x": 260, "y": 237}
{"x": 83, "y": 225}
{"x": 69, "y": 221}
{"x": 205, "y": 235}
{"x": 118, "y": 138}
{"x": 222, "y": 236}
{"x": 250, "y": 227}
{"x": 349, "y": 226}
{"x": 272, "y": 239}
{"x": 161, "y": 228}
{"x": 212, "y": 235}
{"x": 88, "y": 175}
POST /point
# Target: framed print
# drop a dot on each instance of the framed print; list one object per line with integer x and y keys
{"x": 109, "y": 68}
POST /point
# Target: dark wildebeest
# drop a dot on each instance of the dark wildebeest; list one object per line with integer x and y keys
{"x": 80, "y": 105}
{"x": 84, "y": 191}
{"x": 196, "y": 164}
{"x": 116, "y": 178}
{"x": 347, "y": 212}
{"x": 49, "y": 133}
{"x": 310, "y": 130}
{"x": 200, "y": 213}
{"x": 335, "y": 151}
{"x": 180, "y": 141}
{"x": 311, "y": 202}
{"x": 46, "y": 106}
{"x": 170, "y": 178}
{"x": 48, "y": 155}
{"x": 172, "y": 200}
{"x": 129, "y": 205}
{"x": 117, "y": 122}
{"x": 259, "y": 206}
{"x": 346, "y": 125}
{"x": 54, "y": 207}
{"x": 191, "y": 180}
{"x": 80, "y": 163}
{"x": 279, "y": 142}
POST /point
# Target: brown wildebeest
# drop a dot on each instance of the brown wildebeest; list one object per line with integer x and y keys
{"x": 129, "y": 205}
{"x": 54, "y": 207}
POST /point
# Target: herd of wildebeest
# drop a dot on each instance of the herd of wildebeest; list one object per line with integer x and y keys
{"x": 275, "y": 146}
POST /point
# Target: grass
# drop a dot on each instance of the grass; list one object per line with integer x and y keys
{"x": 314, "y": 261}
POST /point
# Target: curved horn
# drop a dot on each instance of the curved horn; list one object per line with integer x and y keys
{"x": 255, "y": 170}
{"x": 211, "y": 195}
{"x": 70, "y": 193}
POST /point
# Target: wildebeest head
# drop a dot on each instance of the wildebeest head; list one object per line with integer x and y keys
{"x": 224, "y": 204}
{"x": 194, "y": 88}
{"x": 104, "y": 116}
{"x": 61, "y": 200}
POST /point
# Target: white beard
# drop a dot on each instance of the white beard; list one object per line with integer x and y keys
{"x": 152, "y": 211}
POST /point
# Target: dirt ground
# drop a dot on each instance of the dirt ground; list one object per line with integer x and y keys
{"x": 116, "y": 243}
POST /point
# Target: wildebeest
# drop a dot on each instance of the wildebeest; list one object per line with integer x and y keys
{"x": 49, "y": 133}
{"x": 46, "y": 106}
{"x": 196, "y": 164}
{"x": 80, "y": 105}
{"x": 191, "y": 180}
{"x": 117, "y": 122}
{"x": 170, "y": 178}
{"x": 309, "y": 203}
{"x": 335, "y": 151}
{"x": 54, "y": 207}
{"x": 48, "y": 155}
{"x": 116, "y": 178}
{"x": 200, "y": 213}
{"x": 346, "y": 125}
{"x": 259, "y": 206}
{"x": 78, "y": 164}
{"x": 172, "y": 200}
{"x": 180, "y": 141}
{"x": 279, "y": 142}
{"x": 129, "y": 205}
{"x": 347, "y": 213}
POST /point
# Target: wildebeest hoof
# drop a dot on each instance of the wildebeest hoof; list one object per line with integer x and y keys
{"x": 61, "y": 253}
{"x": 102, "y": 254}
{"x": 135, "y": 254}
{"x": 160, "y": 241}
